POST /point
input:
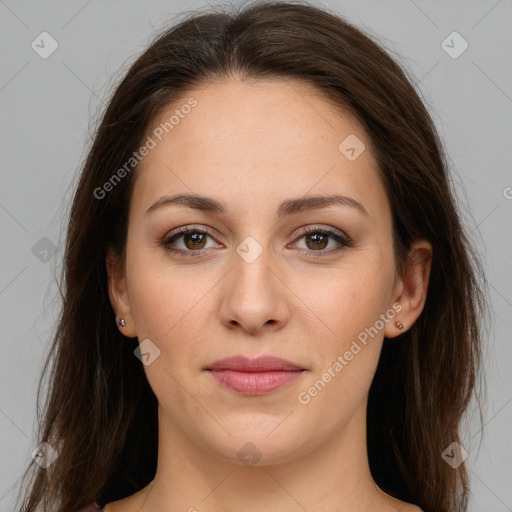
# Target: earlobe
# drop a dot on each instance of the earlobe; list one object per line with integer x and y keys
{"x": 118, "y": 295}
{"x": 414, "y": 287}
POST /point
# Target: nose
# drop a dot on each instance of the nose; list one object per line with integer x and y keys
{"x": 254, "y": 296}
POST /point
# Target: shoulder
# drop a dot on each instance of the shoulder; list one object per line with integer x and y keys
{"x": 93, "y": 507}
{"x": 402, "y": 506}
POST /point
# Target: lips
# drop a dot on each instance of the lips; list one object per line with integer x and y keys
{"x": 254, "y": 376}
{"x": 260, "y": 364}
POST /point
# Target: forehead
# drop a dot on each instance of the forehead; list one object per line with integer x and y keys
{"x": 269, "y": 139}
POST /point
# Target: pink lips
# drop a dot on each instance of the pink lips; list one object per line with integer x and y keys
{"x": 254, "y": 376}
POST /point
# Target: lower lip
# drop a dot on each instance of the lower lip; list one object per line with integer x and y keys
{"x": 254, "y": 383}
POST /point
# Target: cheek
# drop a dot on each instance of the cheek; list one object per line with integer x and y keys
{"x": 349, "y": 307}
{"x": 349, "y": 355}
{"x": 349, "y": 300}
{"x": 169, "y": 307}
{"x": 357, "y": 341}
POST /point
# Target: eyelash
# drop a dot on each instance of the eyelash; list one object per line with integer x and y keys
{"x": 343, "y": 240}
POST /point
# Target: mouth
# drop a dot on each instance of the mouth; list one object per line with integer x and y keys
{"x": 254, "y": 377}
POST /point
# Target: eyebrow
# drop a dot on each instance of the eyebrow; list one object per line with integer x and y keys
{"x": 286, "y": 208}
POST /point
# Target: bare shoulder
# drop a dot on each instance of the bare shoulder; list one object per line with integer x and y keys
{"x": 124, "y": 505}
{"x": 119, "y": 506}
{"x": 131, "y": 503}
{"x": 127, "y": 505}
{"x": 409, "y": 507}
{"x": 401, "y": 506}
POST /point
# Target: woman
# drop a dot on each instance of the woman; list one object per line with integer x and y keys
{"x": 269, "y": 298}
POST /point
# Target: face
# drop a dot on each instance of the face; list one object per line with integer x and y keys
{"x": 261, "y": 274}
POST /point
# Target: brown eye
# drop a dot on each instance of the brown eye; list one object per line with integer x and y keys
{"x": 318, "y": 241}
{"x": 192, "y": 240}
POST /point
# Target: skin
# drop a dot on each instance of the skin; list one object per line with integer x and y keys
{"x": 252, "y": 146}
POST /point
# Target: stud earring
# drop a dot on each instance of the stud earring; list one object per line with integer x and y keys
{"x": 121, "y": 323}
{"x": 400, "y": 325}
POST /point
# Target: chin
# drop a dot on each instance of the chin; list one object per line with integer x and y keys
{"x": 256, "y": 441}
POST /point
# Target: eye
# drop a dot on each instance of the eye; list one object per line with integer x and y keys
{"x": 317, "y": 239}
{"x": 193, "y": 241}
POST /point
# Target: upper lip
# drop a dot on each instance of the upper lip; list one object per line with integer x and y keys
{"x": 258, "y": 364}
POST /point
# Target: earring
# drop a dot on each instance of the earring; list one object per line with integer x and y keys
{"x": 121, "y": 323}
{"x": 400, "y": 325}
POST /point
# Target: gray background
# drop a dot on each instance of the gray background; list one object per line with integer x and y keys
{"x": 50, "y": 105}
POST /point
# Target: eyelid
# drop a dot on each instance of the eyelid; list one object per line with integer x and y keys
{"x": 343, "y": 240}
{"x": 336, "y": 234}
{"x": 319, "y": 228}
{"x": 178, "y": 233}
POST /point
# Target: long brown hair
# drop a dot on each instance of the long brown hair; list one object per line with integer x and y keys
{"x": 101, "y": 414}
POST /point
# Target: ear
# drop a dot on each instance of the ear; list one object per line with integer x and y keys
{"x": 118, "y": 293}
{"x": 411, "y": 288}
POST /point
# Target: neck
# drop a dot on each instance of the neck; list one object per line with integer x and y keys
{"x": 331, "y": 476}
